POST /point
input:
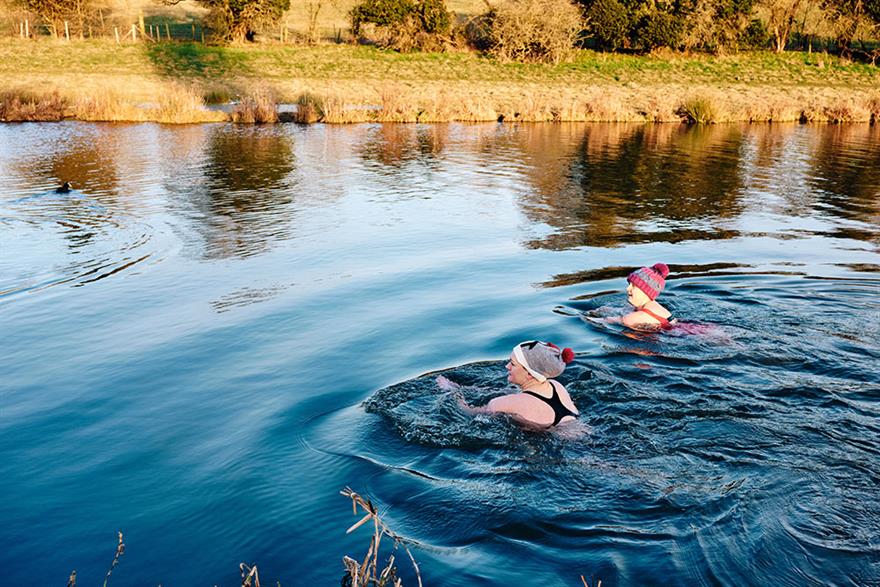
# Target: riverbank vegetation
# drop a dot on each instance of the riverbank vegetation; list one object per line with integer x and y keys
{"x": 170, "y": 82}
{"x": 431, "y": 61}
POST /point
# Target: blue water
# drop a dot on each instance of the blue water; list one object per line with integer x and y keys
{"x": 221, "y": 327}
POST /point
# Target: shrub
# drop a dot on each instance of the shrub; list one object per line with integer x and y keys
{"x": 608, "y": 23}
{"x": 404, "y": 24}
{"x": 658, "y": 29}
{"x": 534, "y": 30}
{"x": 477, "y": 31}
{"x": 755, "y": 36}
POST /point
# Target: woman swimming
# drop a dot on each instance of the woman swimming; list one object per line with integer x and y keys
{"x": 645, "y": 285}
{"x": 542, "y": 402}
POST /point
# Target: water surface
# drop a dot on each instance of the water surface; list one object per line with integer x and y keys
{"x": 220, "y": 327}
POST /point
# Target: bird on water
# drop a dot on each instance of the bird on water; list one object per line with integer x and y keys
{"x": 63, "y": 189}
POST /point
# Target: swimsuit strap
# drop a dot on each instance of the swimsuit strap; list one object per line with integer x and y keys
{"x": 664, "y": 322}
{"x": 559, "y": 409}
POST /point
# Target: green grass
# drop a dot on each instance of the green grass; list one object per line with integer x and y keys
{"x": 350, "y": 62}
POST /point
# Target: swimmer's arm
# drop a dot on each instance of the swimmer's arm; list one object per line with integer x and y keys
{"x": 504, "y": 404}
{"x": 632, "y": 320}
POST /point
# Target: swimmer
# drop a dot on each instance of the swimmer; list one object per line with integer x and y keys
{"x": 542, "y": 402}
{"x": 645, "y": 285}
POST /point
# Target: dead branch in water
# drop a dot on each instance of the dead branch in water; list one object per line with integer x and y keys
{"x": 120, "y": 550}
{"x": 366, "y": 573}
{"x": 248, "y": 573}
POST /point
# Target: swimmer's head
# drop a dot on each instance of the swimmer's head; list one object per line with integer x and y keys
{"x": 649, "y": 280}
{"x": 542, "y": 360}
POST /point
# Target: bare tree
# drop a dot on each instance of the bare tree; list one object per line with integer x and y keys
{"x": 781, "y": 20}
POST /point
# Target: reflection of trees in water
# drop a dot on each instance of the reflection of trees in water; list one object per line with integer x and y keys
{"x": 395, "y": 145}
{"x": 846, "y": 171}
{"x": 628, "y": 183}
{"x": 88, "y": 160}
{"x": 243, "y": 198}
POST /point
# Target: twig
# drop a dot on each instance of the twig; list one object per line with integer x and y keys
{"x": 120, "y": 550}
{"x": 248, "y": 573}
{"x": 367, "y": 571}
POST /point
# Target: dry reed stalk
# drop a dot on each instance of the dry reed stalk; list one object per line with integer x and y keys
{"x": 107, "y": 106}
{"x": 366, "y": 573}
{"x": 184, "y": 104}
{"x": 249, "y": 573}
{"x": 873, "y": 106}
{"x": 309, "y": 109}
{"x": 120, "y": 550}
{"x": 257, "y": 108}
{"x": 21, "y": 106}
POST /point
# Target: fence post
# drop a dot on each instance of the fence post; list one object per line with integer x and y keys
{"x": 194, "y": 31}
{"x": 134, "y": 35}
{"x": 116, "y": 30}
{"x": 141, "y": 22}
{"x": 167, "y": 32}
{"x": 27, "y": 32}
{"x": 66, "y": 31}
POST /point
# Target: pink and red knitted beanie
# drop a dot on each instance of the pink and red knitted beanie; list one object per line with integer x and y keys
{"x": 650, "y": 279}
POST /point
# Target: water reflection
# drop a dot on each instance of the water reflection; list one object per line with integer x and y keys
{"x": 394, "y": 145}
{"x": 239, "y": 194}
{"x": 642, "y": 184}
{"x": 846, "y": 172}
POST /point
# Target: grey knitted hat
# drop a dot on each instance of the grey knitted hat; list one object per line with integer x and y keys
{"x": 543, "y": 360}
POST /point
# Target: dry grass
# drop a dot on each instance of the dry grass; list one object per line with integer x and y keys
{"x": 184, "y": 104}
{"x": 22, "y": 106}
{"x": 259, "y": 107}
{"x": 344, "y": 84}
{"x": 368, "y": 571}
{"x": 699, "y": 110}
{"x": 309, "y": 109}
{"x": 176, "y": 105}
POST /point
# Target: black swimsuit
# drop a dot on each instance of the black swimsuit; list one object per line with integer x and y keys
{"x": 559, "y": 410}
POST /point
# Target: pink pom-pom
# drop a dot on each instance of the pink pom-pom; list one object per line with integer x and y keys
{"x": 567, "y": 355}
{"x": 662, "y": 269}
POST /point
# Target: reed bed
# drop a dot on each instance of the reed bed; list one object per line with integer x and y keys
{"x": 24, "y": 106}
{"x": 258, "y": 107}
{"x": 379, "y": 101}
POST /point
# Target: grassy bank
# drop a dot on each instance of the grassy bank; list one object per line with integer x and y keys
{"x": 346, "y": 83}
